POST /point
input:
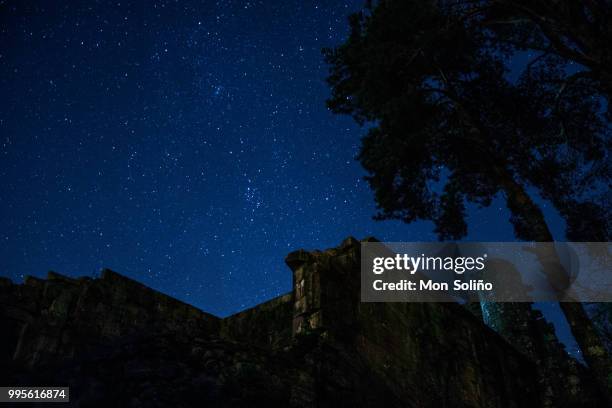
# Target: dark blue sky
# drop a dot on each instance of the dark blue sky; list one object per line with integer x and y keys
{"x": 185, "y": 144}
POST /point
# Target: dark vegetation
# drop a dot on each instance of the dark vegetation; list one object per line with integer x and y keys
{"x": 486, "y": 98}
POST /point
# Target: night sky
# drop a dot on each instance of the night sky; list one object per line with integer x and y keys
{"x": 184, "y": 144}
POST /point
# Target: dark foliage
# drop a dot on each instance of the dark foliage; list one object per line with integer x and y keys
{"x": 452, "y": 121}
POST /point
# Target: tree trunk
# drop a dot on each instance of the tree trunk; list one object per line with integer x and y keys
{"x": 529, "y": 224}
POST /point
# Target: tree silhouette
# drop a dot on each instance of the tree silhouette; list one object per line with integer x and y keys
{"x": 573, "y": 30}
{"x": 451, "y": 121}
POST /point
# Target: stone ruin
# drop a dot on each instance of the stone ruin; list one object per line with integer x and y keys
{"x": 116, "y": 342}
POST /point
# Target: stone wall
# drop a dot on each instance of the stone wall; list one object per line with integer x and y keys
{"x": 118, "y": 342}
{"x": 59, "y": 317}
{"x": 267, "y": 325}
{"x": 430, "y": 354}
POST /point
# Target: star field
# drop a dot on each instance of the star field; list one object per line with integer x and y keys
{"x": 184, "y": 144}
